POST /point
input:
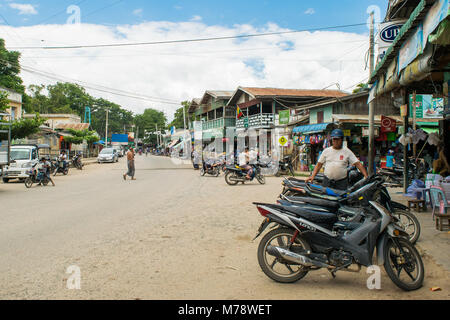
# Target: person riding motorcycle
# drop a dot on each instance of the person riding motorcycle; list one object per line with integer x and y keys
{"x": 63, "y": 157}
{"x": 244, "y": 161}
{"x": 45, "y": 166}
{"x": 336, "y": 160}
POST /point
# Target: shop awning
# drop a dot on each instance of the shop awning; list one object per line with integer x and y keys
{"x": 173, "y": 143}
{"x": 312, "y": 128}
{"x": 430, "y": 129}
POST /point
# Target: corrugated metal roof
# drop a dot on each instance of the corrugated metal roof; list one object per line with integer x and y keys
{"x": 74, "y": 126}
{"x": 271, "y": 92}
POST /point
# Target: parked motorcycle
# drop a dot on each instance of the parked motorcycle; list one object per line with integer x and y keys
{"x": 285, "y": 167}
{"x": 236, "y": 174}
{"x": 300, "y": 193}
{"x": 77, "y": 163}
{"x": 36, "y": 176}
{"x": 60, "y": 168}
{"x": 211, "y": 169}
{"x": 307, "y": 240}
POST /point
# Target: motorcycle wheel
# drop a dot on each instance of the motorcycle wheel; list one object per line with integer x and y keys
{"x": 292, "y": 171}
{"x": 217, "y": 172}
{"x": 281, "y": 271}
{"x": 228, "y": 175}
{"x": 399, "y": 256}
{"x": 261, "y": 179}
{"x": 66, "y": 172}
{"x": 278, "y": 174}
{"x": 410, "y": 223}
{"x": 45, "y": 182}
{"x": 202, "y": 172}
{"x": 28, "y": 182}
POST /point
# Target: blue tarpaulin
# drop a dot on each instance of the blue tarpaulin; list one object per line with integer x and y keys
{"x": 312, "y": 128}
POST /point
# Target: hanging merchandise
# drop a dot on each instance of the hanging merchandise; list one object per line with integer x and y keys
{"x": 433, "y": 139}
{"x": 418, "y": 135}
{"x": 312, "y": 139}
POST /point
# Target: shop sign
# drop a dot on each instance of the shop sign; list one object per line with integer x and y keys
{"x": 365, "y": 132}
{"x": 347, "y": 133}
{"x": 389, "y": 31}
{"x": 427, "y": 107}
{"x": 284, "y": 116}
{"x": 388, "y": 124}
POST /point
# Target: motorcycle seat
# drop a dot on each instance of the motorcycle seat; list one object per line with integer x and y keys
{"x": 295, "y": 180}
{"x": 314, "y": 201}
{"x": 322, "y": 218}
{"x": 305, "y": 206}
{"x": 327, "y": 191}
{"x": 293, "y": 184}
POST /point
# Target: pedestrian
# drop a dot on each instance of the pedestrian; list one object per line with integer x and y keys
{"x": 131, "y": 167}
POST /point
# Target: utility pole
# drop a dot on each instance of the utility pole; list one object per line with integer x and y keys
{"x": 157, "y": 137}
{"x": 106, "y": 134}
{"x": 372, "y": 103}
{"x": 414, "y": 102}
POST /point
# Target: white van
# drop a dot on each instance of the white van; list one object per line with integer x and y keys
{"x": 23, "y": 158}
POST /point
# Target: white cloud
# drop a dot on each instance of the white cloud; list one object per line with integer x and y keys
{"x": 310, "y": 11}
{"x": 185, "y": 70}
{"x": 24, "y": 9}
{"x": 138, "y": 12}
{"x": 196, "y": 18}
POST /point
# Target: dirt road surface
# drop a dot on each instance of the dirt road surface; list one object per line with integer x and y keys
{"x": 169, "y": 235}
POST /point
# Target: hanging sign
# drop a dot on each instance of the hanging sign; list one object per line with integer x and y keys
{"x": 284, "y": 116}
{"x": 388, "y": 124}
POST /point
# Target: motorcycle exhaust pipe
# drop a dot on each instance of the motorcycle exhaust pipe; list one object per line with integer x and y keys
{"x": 294, "y": 257}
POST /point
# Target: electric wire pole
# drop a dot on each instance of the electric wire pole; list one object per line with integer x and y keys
{"x": 372, "y": 103}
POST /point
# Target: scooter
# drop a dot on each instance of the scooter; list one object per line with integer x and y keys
{"x": 76, "y": 162}
{"x": 236, "y": 174}
{"x": 36, "y": 176}
{"x": 285, "y": 167}
{"x": 60, "y": 168}
{"x": 211, "y": 169}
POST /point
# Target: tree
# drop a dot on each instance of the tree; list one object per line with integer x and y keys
{"x": 10, "y": 69}
{"x": 178, "y": 121}
{"x": 359, "y": 88}
{"x": 148, "y": 122}
{"x": 26, "y": 127}
{"x": 79, "y": 136}
{"x": 4, "y": 102}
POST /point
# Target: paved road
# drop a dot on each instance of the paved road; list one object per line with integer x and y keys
{"x": 169, "y": 235}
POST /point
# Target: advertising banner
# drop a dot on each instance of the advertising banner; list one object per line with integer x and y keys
{"x": 438, "y": 12}
{"x": 387, "y": 35}
{"x": 284, "y": 117}
{"x": 411, "y": 49}
{"x": 427, "y": 107}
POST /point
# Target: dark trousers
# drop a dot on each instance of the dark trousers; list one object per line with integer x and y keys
{"x": 335, "y": 184}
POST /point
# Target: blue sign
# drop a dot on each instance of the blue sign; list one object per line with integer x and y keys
{"x": 120, "y": 138}
{"x": 389, "y": 33}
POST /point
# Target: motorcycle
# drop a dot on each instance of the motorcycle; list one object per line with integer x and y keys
{"x": 285, "y": 167}
{"x": 36, "y": 176}
{"x": 76, "y": 162}
{"x": 302, "y": 193}
{"x": 306, "y": 241}
{"x": 236, "y": 174}
{"x": 60, "y": 168}
{"x": 211, "y": 169}
{"x": 394, "y": 176}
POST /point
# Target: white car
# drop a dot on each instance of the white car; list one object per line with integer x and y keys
{"x": 108, "y": 155}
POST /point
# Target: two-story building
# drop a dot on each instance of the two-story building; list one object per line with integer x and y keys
{"x": 15, "y": 103}
{"x": 261, "y": 107}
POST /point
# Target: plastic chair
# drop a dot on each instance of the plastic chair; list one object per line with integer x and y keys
{"x": 439, "y": 200}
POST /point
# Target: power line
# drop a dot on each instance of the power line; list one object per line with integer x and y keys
{"x": 100, "y": 88}
{"x": 187, "y": 40}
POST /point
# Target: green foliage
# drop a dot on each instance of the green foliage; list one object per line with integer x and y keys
{"x": 178, "y": 121}
{"x": 10, "y": 69}
{"x": 359, "y": 88}
{"x": 3, "y": 101}
{"x": 26, "y": 127}
{"x": 78, "y": 136}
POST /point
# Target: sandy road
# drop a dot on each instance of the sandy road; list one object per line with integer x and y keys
{"x": 169, "y": 235}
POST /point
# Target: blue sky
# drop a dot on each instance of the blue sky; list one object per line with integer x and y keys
{"x": 293, "y": 14}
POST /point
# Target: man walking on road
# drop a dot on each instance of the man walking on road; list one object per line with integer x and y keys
{"x": 131, "y": 168}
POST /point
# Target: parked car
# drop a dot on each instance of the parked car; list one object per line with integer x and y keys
{"x": 108, "y": 155}
{"x": 23, "y": 158}
{"x": 120, "y": 152}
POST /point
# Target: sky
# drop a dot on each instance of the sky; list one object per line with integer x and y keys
{"x": 162, "y": 75}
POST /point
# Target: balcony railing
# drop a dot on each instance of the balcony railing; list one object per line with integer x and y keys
{"x": 217, "y": 124}
{"x": 264, "y": 120}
